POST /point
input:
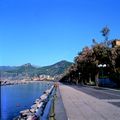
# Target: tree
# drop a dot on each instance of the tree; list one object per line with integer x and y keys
{"x": 105, "y": 32}
{"x": 87, "y": 61}
{"x": 86, "y": 64}
{"x": 115, "y": 65}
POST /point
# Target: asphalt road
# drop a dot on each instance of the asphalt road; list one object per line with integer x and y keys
{"x": 107, "y": 95}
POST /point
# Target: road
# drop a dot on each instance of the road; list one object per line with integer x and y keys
{"x": 86, "y": 103}
{"x": 107, "y": 95}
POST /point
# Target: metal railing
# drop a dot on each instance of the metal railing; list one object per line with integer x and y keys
{"x": 49, "y": 113}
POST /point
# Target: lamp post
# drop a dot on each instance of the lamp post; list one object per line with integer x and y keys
{"x": 79, "y": 75}
{"x": 102, "y": 66}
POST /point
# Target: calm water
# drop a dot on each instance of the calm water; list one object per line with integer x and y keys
{"x": 15, "y": 98}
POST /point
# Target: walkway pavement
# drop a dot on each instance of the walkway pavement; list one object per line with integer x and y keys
{"x": 60, "y": 113}
{"x": 81, "y": 106}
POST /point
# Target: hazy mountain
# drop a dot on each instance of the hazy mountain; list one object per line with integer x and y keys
{"x": 55, "y": 69}
{"x": 4, "y": 68}
{"x": 30, "y": 70}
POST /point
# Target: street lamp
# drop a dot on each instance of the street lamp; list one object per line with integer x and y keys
{"x": 79, "y": 75}
{"x": 102, "y": 66}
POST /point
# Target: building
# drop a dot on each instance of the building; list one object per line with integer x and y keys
{"x": 115, "y": 43}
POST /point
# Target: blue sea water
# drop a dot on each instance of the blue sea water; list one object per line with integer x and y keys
{"x": 15, "y": 98}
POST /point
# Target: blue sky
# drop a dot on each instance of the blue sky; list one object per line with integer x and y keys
{"x": 42, "y": 32}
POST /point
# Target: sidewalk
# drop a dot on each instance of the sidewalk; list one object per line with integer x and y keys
{"x": 80, "y": 106}
{"x": 60, "y": 113}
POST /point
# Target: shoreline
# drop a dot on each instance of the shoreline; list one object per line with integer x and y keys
{"x": 18, "y": 82}
{"x": 39, "y": 106}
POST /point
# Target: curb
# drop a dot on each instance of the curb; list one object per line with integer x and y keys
{"x": 102, "y": 88}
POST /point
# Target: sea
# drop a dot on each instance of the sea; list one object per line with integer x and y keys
{"x": 15, "y": 98}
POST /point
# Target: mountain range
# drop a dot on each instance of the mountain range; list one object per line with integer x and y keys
{"x": 15, "y": 72}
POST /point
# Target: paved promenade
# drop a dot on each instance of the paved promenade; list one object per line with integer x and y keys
{"x": 81, "y": 106}
{"x": 60, "y": 113}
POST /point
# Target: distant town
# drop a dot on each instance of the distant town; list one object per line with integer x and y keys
{"x": 28, "y": 73}
{"x": 29, "y": 80}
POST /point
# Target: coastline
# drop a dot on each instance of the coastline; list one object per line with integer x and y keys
{"x": 21, "y": 97}
{"x": 17, "y": 82}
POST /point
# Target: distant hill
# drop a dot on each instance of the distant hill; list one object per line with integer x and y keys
{"x": 19, "y": 72}
{"x": 4, "y": 68}
{"x": 55, "y": 69}
{"x": 26, "y": 68}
